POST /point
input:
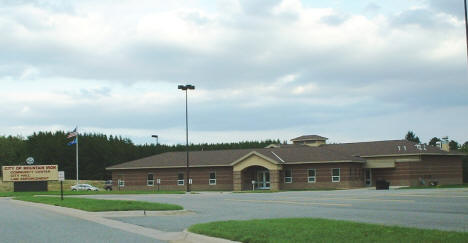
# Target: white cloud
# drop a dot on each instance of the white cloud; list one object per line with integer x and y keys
{"x": 305, "y": 89}
{"x": 258, "y": 67}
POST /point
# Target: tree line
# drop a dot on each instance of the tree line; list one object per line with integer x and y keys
{"x": 96, "y": 151}
{"x": 454, "y": 145}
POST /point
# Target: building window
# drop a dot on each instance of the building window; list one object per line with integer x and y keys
{"x": 288, "y": 176}
{"x": 121, "y": 183}
{"x": 180, "y": 179}
{"x": 150, "y": 180}
{"x": 336, "y": 175}
{"x": 212, "y": 180}
{"x": 311, "y": 176}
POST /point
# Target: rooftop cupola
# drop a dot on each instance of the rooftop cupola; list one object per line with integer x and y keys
{"x": 310, "y": 140}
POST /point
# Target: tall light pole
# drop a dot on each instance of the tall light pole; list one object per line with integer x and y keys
{"x": 155, "y": 136}
{"x": 186, "y": 88}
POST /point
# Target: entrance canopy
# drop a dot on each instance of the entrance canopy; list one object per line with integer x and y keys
{"x": 255, "y": 159}
{"x": 380, "y": 164}
{"x": 257, "y": 168}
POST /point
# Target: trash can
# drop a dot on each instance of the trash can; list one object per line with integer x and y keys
{"x": 382, "y": 185}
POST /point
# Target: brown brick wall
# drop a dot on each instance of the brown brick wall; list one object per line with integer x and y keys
{"x": 444, "y": 169}
{"x": 137, "y": 179}
{"x": 397, "y": 176}
{"x": 351, "y": 175}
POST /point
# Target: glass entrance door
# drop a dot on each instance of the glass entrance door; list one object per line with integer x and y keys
{"x": 368, "y": 177}
{"x": 263, "y": 179}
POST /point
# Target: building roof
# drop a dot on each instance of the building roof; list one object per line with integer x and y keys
{"x": 309, "y": 137}
{"x": 287, "y": 154}
{"x": 290, "y": 154}
{"x": 385, "y": 148}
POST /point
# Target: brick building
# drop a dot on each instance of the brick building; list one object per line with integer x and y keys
{"x": 306, "y": 164}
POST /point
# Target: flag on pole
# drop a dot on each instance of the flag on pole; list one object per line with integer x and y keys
{"x": 72, "y": 142}
{"x": 73, "y": 133}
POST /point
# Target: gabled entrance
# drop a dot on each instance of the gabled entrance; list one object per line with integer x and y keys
{"x": 256, "y": 171}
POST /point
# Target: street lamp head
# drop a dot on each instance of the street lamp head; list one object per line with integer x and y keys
{"x": 154, "y": 136}
{"x": 185, "y": 87}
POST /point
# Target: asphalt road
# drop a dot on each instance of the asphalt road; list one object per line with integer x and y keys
{"x": 445, "y": 209}
{"x": 30, "y": 224}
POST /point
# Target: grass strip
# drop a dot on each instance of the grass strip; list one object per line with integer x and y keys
{"x": 98, "y": 205}
{"x": 435, "y": 187}
{"x": 15, "y": 194}
{"x": 320, "y": 230}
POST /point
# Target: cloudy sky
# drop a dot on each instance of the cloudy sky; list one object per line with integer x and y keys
{"x": 348, "y": 70}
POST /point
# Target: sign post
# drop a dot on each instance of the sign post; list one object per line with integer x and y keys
{"x": 61, "y": 177}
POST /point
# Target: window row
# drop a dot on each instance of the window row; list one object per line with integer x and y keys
{"x": 180, "y": 179}
{"x": 311, "y": 175}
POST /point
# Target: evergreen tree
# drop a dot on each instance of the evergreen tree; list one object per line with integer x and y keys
{"x": 464, "y": 147}
{"x": 410, "y": 136}
{"x": 96, "y": 151}
{"x": 434, "y": 141}
{"x": 453, "y": 145}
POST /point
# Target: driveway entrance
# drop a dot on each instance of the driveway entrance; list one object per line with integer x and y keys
{"x": 445, "y": 209}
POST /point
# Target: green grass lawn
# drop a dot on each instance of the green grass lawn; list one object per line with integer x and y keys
{"x": 436, "y": 187}
{"x": 97, "y": 205}
{"x": 320, "y": 230}
{"x": 14, "y": 194}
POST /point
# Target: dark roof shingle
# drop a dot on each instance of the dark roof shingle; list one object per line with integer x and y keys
{"x": 289, "y": 154}
{"x": 387, "y": 147}
{"x": 350, "y": 152}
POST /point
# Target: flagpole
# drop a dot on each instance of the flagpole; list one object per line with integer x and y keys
{"x": 77, "y": 180}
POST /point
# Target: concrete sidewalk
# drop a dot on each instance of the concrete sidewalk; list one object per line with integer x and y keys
{"x": 101, "y": 218}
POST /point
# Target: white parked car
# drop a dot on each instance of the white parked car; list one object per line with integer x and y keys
{"x": 84, "y": 187}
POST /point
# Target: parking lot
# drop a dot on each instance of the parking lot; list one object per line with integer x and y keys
{"x": 445, "y": 209}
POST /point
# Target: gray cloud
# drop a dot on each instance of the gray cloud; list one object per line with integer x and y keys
{"x": 422, "y": 17}
{"x": 165, "y": 61}
{"x": 335, "y": 19}
{"x": 359, "y": 69}
{"x": 372, "y": 8}
{"x": 453, "y": 7}
{"x": 260, "y": 7}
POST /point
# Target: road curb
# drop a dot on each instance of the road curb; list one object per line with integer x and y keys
{"x": 184, "y": 236}
{"x": 193, "y": 237}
